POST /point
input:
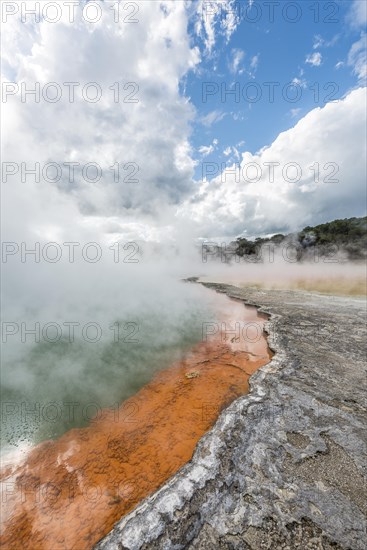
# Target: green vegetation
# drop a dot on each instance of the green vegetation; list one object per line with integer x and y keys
{"x": 338, "y": 231}
{"x": 246, "y": 247}
{"x": 349, "y": 235}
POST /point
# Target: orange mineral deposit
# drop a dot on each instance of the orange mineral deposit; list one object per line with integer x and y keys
{"x": 68, "y": 493}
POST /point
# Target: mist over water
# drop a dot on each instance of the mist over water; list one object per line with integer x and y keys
{"x": 80, "y": 337}
{"x": 103, "y": 331}
{"x": 339, "y": 277}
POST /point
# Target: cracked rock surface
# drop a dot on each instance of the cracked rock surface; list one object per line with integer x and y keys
{"x": 284, "y": 467}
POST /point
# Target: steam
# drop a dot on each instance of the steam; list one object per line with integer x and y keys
{"x": 90, "y": 335}
{"x": 152, "y": 224}
{"x": 282, "y": 267}
{"x": 55, "y": 383}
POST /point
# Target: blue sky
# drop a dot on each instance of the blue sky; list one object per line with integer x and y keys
{"x": 311, "y": 52}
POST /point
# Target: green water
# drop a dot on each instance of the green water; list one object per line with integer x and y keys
{"x": 49, "y": 388}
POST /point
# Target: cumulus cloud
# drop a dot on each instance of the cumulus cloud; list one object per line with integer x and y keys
{"x": 314, "y": 59}
{"x": 153, "y": 134}
{"x": 325, "y": 180}
{"x": 148, "y": 138}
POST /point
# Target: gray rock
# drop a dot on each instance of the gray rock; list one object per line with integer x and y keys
{"x": 284, "y": 466}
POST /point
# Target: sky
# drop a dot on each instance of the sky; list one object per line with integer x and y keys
{"x": 181, "y": 121}
{"x": 282, "y": 63}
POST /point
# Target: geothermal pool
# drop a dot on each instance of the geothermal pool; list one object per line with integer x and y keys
{"x": 49, "y": 387}
{"x": 67, "y": 492}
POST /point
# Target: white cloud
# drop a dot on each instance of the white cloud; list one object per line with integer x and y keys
{"x": 231, "y": 151}
{"x": 206, "y": 24}
{"x": 153, "y": 133}
{"x": 357, "y": 15}
{"x": 206, "y": 150}
{"x": 339, "y": 65}
{"x": 318, "y": 42}
{"x": 231, "y": 18}
{"x": 212, "y": 118}
{"x": 215, "y": 19}
{"x": 295, "y": 112}
{"x": 225, "y": 207}
{"x": 237, "y": 56}
{"x": 357, "y": 58}
{"x": 299, "y": 82}
{"x": 255, "y": 62}
{"x": 314, "y": 59}
{"x": 239, "y": 115}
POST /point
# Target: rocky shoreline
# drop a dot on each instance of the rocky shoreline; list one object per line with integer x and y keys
{"x": 69, "y": 492}
{"x": 284, "y": 466}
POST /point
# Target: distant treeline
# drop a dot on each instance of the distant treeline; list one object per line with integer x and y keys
{"x": 347, "y": 237}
